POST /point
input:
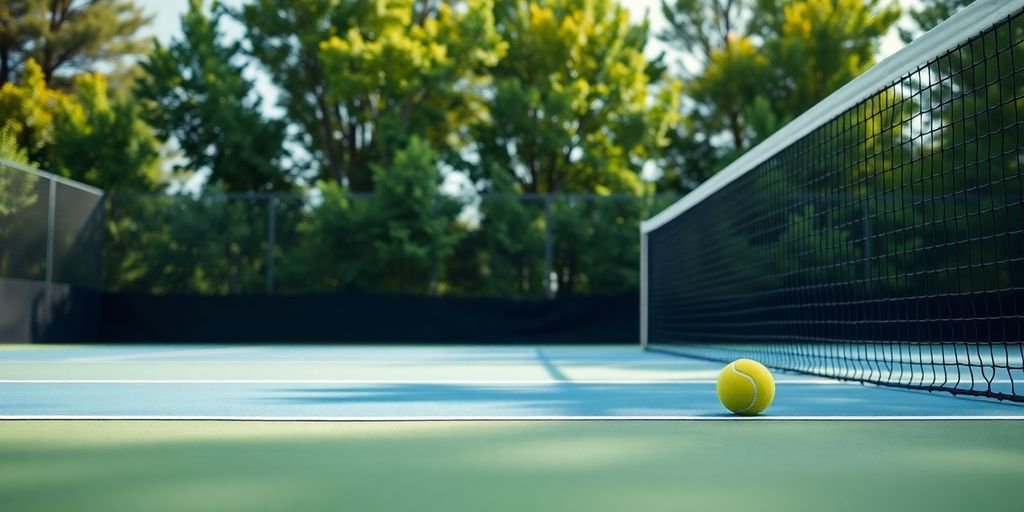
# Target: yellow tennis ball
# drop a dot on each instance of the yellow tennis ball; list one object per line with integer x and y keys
{"x": 746, "y": 387}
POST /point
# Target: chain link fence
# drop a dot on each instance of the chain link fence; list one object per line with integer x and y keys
{"x": 498, "y": 245}
{"x": 524, "y": 246}
{"x": 51, "y": 228}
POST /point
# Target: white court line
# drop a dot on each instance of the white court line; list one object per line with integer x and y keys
{"x": 796, "y": 380}
{"x": 392, "y": 419}
{"x": 157, "y": 354}
{"x": 385, "y": 382}
{"x": 137, "y": 358}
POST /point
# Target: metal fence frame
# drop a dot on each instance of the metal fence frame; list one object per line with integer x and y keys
{"x": 272, "y": 199}
{"x": 51, "y": 213}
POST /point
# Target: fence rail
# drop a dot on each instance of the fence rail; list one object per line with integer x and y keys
{"x": 55, "y": 230}
{"x": 506, "y": 245}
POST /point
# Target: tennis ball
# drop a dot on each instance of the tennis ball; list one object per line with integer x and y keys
{"x": 746, "y": 387}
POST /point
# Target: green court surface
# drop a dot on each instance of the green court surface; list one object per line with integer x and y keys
{"x": 511, "y": 466}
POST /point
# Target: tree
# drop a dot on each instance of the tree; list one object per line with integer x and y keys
{"x": 358, "y": 78}
{"x": 819, "y": 45}
{"x": 929, "y": 14}
{"x": 17, "y": 189}
{"x": 67, "y": 37}
{"x": 392, "y": 241}
{"x": 19, "y": 196}
{"x": 761, "y": 64}
{"x": 501, "y": 252}
{"x": 195, "y": 92}
{"x": 700, "y": 27}
{"x": 285, "y": 36}
{"x": 102, "y": 142}
{"x": 735, "y": 76}
{"x": 9, "y": 149}
{"x": 408, "y": 69}
{"x": 82, "y": 136}
{"x": 572, "y": 109}
{"x": 208, "y": 244}
{"x": 28, "y": 109}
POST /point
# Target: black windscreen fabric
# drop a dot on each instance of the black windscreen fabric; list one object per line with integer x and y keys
{"x": 885, "y": 246}
{"x": 367, "y": 318}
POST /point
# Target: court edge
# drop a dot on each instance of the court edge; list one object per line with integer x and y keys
{"x": 482, "y": 419}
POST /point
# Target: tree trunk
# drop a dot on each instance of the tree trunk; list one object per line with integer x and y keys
{"x": 5, "y": 67}
{"x": 58, "y": 10}
{"x": 736, "y": 129}
{"x": 334, "y": 169}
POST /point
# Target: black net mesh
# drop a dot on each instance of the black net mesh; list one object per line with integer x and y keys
{"x": 886, "y": 246}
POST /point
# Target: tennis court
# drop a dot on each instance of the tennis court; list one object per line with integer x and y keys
{"x": 870, "y": 253}
{"x": 474, "y": 427}
{"x": 390, "y": 383}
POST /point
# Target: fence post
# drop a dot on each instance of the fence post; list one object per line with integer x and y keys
{"x": 549, "y": 290}
{"x": 271, "y": 241}
{"x": 435, "y": 271}
{"x": 51, "y": 220}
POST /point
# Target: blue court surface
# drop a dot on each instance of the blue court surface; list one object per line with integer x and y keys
{"x": 383, "y": 383}
{"x": 567, "y": 428}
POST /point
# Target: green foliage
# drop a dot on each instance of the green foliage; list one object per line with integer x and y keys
{"x": 401, "y": 68}
{"x": 811, "y": 249}
{"x": 699, "y": 27}
{"x": 19, "y": 197}
{"x": 284, "y": 37}
{"x": 67, "y": 37}
{"x": 28, "y": 109}
{"x": 9, "y": 148}
{"x": 733, "y": 79}
{"x": 526, "y": 96}
{"x": 502, "y": 251}
{"x": 390, "y": 242}
{"x": 760, "y": 64}
{"x": 194, "y": 91}
{"x": 595, "y": 244}
{"x": 360, "y": 78}
{"x": 83, "y": 136}
{"x": 104, "y": 143}
{"x": 928, "y": 14}
{"x": 209, "y": 244}
{"x": 819, "y": 45}
{"x": 690, "y": 157}
{"x": 572, "y": 108}
{"x": 17, "y": 189}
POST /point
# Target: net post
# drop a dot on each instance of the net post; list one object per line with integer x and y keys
{"x": 271, "y": 241}
{"x": 643, "y": 289}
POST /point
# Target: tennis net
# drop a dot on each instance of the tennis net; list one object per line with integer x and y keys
{"x": 877, "y": 238}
